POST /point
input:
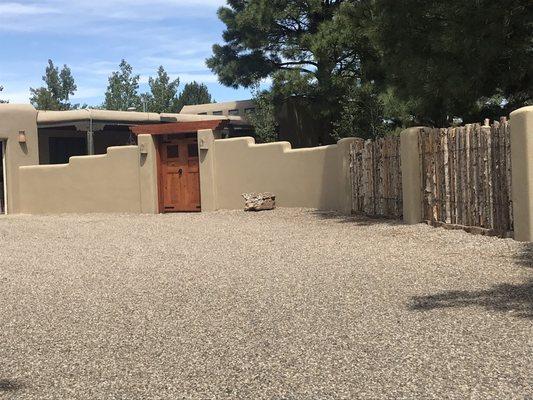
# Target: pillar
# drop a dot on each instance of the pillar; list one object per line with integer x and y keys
{"x": 148, "y": 174}
{"x": 522, "y": 172}
{"x": 206, "y": 151}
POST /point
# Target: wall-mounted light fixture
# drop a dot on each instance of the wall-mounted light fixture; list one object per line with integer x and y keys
{"x": 203, "y": 145}
{"x": 143, "y": 149}
{"x": 22, "y": 137}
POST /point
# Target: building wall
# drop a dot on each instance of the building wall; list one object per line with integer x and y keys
{"x": 313, "y": 177}
{"x": 522, "y": 172}
{"x": 125, "y": 179}
{"x": 148, "y": 174}
{"x": 44, "y": 138}
{"x": 120, "y": 181}
{"x": 103, "y": 183}
{"x": 15, "y": 118}
{"x": 224, "y": 108}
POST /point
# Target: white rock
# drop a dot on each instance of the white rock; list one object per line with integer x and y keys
{"x": 259, "y": 201}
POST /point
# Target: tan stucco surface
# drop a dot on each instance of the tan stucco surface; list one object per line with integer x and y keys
{"x": 224, "y": 107}
{"x": 311, "y": 177}
{"x": 148, "y": 174}
{"x": 15, "y": 118}
{"x": 167, "y": 117}
{"x": 206, "y": 151}
{"x": 47, "y": 118}
{"x": 522, "y": 172}
{"x": 51, "y": 117}
{"x": 103, "y": 183}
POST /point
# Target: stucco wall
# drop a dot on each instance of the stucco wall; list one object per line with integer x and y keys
{"x": 148, "y": 174}
{"x": 313, "y": 177}
{"x": 102, "y": 183}
{"x": 15, "y": 118}
{"x": 522, "y": 172}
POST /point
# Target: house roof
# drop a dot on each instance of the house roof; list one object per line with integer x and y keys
{"x": 56, "y": 118}
{"x": 223, "y": 107}
{"x": 180, "y": 127}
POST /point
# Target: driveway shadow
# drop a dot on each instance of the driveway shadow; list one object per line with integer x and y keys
{"x": 356, "y": 219}
{"x": 503, "y": 298}
{"x": 7, "y": 385}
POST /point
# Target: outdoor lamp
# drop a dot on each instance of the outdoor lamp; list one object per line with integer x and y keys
{"x": 22, "y": 137}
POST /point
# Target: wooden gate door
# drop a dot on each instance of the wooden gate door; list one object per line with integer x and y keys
{"x": 179, "y": 188}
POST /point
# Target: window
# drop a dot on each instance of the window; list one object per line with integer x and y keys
{"x": 250, "y": 110}
{"x": 193, "y": 150}
{"x": 173, "y": 151}
{"x": 60, "y": 149}
{"x": 202, "y": 113}
{"x": 233, "y": 112}
{"x": 217, "y": 112}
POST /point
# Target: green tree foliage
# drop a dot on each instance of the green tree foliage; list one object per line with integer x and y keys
{"x": 194, "y": 93}
{"x": 60, "y": 86}
{"x": 362, "y": 114}
{"x": 163, "y": 96}
{"x": 2, "y": 101}
{"x": 263, "y": 118}
{"x": 122, "y": 90}
{"x": 456, "y": 58}
{"x": 315, "y": 49}
{"x": 397, "y": 62}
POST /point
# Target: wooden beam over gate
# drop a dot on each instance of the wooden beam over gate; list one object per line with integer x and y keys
{"x": 179, "y": 127}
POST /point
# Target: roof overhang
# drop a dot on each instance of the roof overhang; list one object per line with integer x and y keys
{"x": 173, "y": 128}
{"x": 83, "y": 117}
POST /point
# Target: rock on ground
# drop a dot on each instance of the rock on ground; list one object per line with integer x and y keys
{"x": 259, "y": 201}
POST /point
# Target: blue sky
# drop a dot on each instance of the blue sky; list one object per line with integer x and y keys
{"x": 92, "y": 36}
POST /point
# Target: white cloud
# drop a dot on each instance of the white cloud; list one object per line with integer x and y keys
{"x": 92, "y": 15}
{"x": 18, "y": 97}
{"x": 91, "y": 37}
{"x": 16, "y": 9}
{"x": 189, "y": 77}
{"x": 85, "y": 92}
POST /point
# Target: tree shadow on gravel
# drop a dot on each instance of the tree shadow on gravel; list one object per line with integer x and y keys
{"x": 356, "y": 219}
{"x": 7, "y": 385}
{"x": 502, "y": 298}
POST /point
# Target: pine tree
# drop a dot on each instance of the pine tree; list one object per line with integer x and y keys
{"x": 456, "y": 58}
{"x": 263, "y": 117}
{"x": 312, "y": 50}
{"x": 59, "y": 87}
{"x": 122, "y": 90}
{"x": 163, "y": 96}
{"x": 194, "y": 93}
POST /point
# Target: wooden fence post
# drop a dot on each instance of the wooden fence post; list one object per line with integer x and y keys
{"x": 411, "y": 176}
{"x": 345, "y": 181}
{"x": 522, "y": 172}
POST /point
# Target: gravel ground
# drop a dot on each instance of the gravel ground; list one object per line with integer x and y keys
{"x": 289, "y": 304}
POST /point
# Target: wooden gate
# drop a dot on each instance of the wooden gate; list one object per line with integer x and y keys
{"x": 376, "y": 177}
{"x": 466, "y": 177}
{"x": 179, "y": 174}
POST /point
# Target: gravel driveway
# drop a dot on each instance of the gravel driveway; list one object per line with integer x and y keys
{"x": 289, "y": 304}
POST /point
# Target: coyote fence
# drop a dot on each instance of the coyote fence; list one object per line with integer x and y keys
{"x": 376, "y": 177}
{"x": 466, "y": 177}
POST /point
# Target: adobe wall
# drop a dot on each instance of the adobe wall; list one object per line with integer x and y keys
{"x": 313, "y": 177}
{"x": 13, "y": 119}
{"x": 522, "y": 172}
{"x": 121, "y": 181}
